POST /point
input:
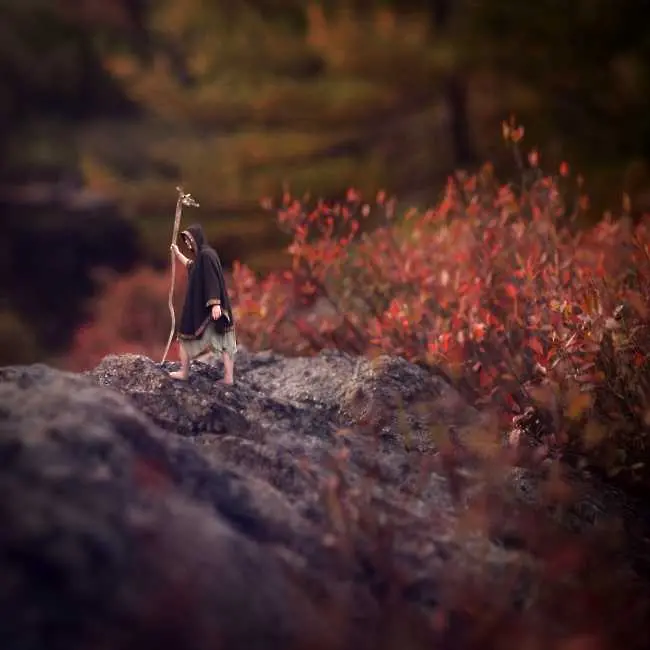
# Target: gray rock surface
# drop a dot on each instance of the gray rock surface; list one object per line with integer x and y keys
{"x": 94, "y": 538}
{"x": 137, "y": 511}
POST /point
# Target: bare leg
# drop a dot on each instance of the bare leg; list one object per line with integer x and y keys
{"x": 184, "y": 372}
{"x": 228, "y": 367}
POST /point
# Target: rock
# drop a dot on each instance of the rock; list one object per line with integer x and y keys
{"x": 92, "y": 533}
{"x": 258, "y": 514}
{"x": 185, "y": 409}
{"x": 403, "y": 402}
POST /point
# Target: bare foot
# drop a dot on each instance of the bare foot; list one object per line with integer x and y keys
{"x": 227, "y": 381}
{"x": 179, "y": 374}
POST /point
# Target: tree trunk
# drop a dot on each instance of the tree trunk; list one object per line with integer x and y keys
{"x": 456, "y": 99}
{"x": 454, "y": 91}
{"x": 137, "y": 12}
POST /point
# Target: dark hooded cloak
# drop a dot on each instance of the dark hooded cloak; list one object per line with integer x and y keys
{"x": 206, "y": 286}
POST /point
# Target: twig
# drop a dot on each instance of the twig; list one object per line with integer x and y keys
{"x": 183, "y": 199}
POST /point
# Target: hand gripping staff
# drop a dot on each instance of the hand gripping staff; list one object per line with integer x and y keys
{"x": 189, "y": 201}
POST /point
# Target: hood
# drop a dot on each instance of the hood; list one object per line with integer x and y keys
{"x": 195, "y": 235}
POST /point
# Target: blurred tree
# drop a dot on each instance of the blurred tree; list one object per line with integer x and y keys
{"x": 443, "y": 16}
{"x": 52, "y": 79}
{"x": 48, "y": 65}
{"x": 578, "y": 72}
{"x": 454, "y": 84}
{"x": 118, "y": 23}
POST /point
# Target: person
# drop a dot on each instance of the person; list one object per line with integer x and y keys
{"x": 206, "y": 320}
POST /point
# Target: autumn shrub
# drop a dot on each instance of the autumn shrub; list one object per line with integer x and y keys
{"x": 129, "y": 315}
{"x": 495, "y": 286}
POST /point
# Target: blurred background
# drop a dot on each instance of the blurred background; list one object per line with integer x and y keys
{"x": 107, "y": 105}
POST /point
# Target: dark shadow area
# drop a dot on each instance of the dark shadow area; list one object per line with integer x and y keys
{"x": 49, "y": 255}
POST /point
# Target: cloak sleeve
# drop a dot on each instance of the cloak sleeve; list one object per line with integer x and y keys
{"x": 213, "y": 285}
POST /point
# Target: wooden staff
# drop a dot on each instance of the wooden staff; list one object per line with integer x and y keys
{"x": 188, "y": 200}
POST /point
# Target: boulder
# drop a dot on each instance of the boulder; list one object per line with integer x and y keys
{"x": 306, "y": 506}
{"x": 97, "y": 548}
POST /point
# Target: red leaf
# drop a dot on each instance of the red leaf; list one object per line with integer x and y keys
{"x": 511, "y": 290}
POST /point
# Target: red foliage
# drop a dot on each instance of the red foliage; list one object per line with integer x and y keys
{"x": 494, "y": 284}
{"x": 130, "y": 316}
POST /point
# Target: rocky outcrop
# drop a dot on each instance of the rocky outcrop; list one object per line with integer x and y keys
{"x": 328, "y": 502}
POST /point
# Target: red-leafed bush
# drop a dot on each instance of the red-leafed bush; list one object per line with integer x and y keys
{"x": 495, "y": 285}
{"x": 130, "y": 315}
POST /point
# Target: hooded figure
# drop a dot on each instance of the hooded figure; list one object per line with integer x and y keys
{"x": 206, "y": 320}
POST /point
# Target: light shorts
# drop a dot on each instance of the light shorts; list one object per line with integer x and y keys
{"x": 218, "y": 343}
